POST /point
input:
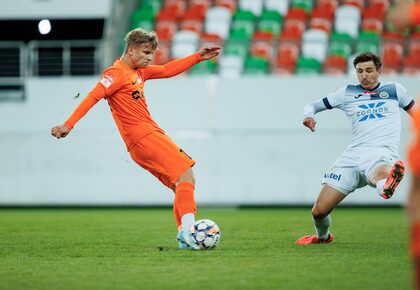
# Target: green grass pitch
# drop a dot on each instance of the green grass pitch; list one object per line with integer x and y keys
{"x": 136, "y": 249}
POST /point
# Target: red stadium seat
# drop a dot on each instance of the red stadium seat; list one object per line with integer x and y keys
{"x": 162, "y": 54}
{"x": 319, "y": 12}
{"x": 321, "y": 23}
{"x": 176, "y": 7}
{"x": 372, "y": 12}
{"x": 327, "y": 6}
{"x": 165, "y": 29}
{"x": 230, "y": 4}
{"x": 292, "y": 30}
{"x": 392, "y": 55}
{"x": 335, "y": 65}
{"x": 296, "y": 14}
{"x": 287, "y": 55}
{"x": 372, "y": 25}
{"x": 208, "y": 39}
{"x": 356, "y": 3}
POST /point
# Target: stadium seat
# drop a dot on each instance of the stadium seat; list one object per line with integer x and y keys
{"x": 308, "y": 66}
{"x": 200, "y": 4}
{"x": 281, "y": 6}
{"x": 210, "y": 40}
{"x": 236, "y": 48}
{"x": 296, "y": 14}
{"x": 256, "y": 66}
{"x": 341, "y": 49}
{"x": 326, "y": 7}
{"x": 292, "y": 30}
{"x": 162, "y": 54}
{"x": 143, "y": 18}
{"x": 372, "y": 25}
{"x": 165, "y": 30}
{"x": 243, "y": 24}
{"x": 392, "y": 54}
{"x": 218, "y": 21}
{"x": 184, "y": 42}
{"x": 230, "y": 66}
{"x": 270, "y": 21}
{"x": 368, "y": 41}
{"x": 262, "y": 45}
{"x": 229, "y": 4}
{"x": 204, "y": 68}
{"x": 335, "y": 65}
{"x": 315, "y": 44}
{"x": 255, "y": 6}
{"x": 359, "y": 4}
{"x": 321, "y": 23}
{"x": 306, "y": 5}
{"x": 347, "y": 20}
{"x": 177, "y": 7}
{"x": 287, "y": 55}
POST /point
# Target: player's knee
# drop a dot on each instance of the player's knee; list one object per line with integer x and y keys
{"x": 319, "y": 212}
{"x": 187, "y": 176}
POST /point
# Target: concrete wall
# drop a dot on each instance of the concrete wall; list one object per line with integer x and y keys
{"x": 245, "y": 134}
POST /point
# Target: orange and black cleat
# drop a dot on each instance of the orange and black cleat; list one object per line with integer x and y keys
{"x": 307, "y": 240}
{"x": 394, "y": 178}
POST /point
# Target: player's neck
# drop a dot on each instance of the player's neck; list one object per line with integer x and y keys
{"x": 125, "y": 60}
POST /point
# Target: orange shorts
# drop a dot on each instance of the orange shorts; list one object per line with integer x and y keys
{"x": 159, "y": 155}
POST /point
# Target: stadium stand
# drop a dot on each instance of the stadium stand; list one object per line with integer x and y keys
{"x": 288, "y": 36}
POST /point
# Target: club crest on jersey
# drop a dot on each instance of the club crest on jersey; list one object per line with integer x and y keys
{"x": 383, "y": 95}
{"x": 371, "y": 111}
{"x": 107, "y": 80}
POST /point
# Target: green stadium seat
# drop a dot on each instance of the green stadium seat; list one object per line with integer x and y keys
{"x": 306, "y": 5}
{"x": 143, "y": 18}
{"x": 341, "y": 37}
{"x": 308, "y": 66}
{"x": 368, "y": 41}
{"x": 256, "y": 66}
{"x": 236, "y": 48}
{"x": 155, "y": 5}
{"x": 203, "y": 68}
{"x": 337, "y": 48}
{"x": 271, "y": 21}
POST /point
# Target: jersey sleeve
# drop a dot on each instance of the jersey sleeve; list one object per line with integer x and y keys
{"x": 109, "y": 82}
{"x": 336, "y": 99}
{"x": 404, "y": 99}
{"x": 415, "y": 15}
{"x": 171, "y": 68}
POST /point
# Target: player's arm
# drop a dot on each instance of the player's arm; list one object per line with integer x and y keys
{"x": 180, "y": 65}
{"x": 313, "y": 108}
{"x": 85, "y": 105}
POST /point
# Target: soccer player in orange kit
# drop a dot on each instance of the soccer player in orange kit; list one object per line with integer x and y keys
{"x": 407, "y": 14}
{"x": 122, "y": 85}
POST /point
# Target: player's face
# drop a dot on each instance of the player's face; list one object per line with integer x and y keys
{"x": 141, "y": 56}
{"x": 367, "y": 74}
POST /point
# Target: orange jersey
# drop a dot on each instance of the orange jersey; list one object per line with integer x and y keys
{"x": 415, "y": 15}
{"x": 414, "y": 152}
{"x": 123, "y": 88}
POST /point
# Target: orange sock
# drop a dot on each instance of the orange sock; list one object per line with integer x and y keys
{"x": 177, "y": 217}
{"x": 184, "y": 200}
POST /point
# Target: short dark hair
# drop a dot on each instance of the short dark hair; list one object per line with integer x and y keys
{"x": 368, "y": 56}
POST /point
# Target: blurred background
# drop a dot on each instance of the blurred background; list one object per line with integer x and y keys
{"x": 238, "y": 116}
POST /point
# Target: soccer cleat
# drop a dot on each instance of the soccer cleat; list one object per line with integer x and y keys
{"x": 306, "y": 240}
{"x": 185, "y": 241}
{"x": 394, "y": 178}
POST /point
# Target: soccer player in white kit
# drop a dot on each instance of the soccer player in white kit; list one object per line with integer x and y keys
{"x": 373, "y": 109}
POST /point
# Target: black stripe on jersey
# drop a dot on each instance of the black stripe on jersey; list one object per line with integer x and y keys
{"x": 410, "y": 105}
{"x": 326, "y": 103}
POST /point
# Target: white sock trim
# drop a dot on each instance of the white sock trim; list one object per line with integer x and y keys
{"x": 322, "y": 227}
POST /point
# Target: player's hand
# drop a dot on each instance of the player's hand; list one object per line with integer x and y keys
{"x": 60, "y": 131}
{"x": 209, "y": 52}
{"x": 310, "y": 123}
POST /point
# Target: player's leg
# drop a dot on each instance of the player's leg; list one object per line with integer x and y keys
{"x": 387, "y": 177}
{"x": 327, "y": 200}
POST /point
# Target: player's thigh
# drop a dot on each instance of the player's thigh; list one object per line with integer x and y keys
{"x": 158, "y": 154}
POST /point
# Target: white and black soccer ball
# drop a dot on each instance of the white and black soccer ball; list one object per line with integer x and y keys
{"x": 206, "y": 234}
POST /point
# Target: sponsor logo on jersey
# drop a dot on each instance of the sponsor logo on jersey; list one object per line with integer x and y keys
{"x": 107, "y": 80}
{"x": 333, "y": 176}
{"x": 371, "y": 111}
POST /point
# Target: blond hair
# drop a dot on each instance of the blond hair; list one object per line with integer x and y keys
{"x": 139, "y": 36}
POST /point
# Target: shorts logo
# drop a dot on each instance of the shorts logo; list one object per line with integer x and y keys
{"x": 107, "y": 80}
{"x": 372, "y": 111}
{"x": 384, "y": 95}
{"x": 333, "y": 176}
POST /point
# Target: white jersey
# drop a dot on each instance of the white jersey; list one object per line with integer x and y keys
{"x": 375, "y": 115}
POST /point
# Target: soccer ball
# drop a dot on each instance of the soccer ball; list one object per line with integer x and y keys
{"x": 206, "y": 234}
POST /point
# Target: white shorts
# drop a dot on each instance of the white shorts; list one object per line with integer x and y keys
{"x": 354, "y": 167}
